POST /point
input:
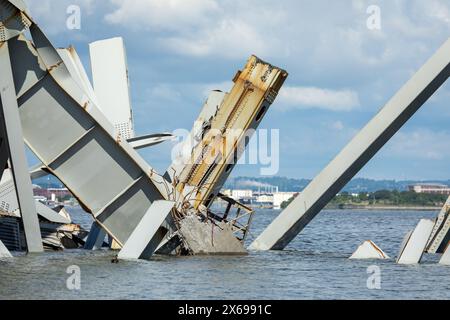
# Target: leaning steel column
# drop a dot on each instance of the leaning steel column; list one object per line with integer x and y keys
{"x": 357, "y": 153}
{"x": 13, "y": 132}
{"x": 440, "y": 237}
{"x": 3, "y": 150}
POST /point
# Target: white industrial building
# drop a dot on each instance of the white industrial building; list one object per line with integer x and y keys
{"x": 241, "y": 194}
{"x": 430, "y": 188}
{"x": 265, "y": 199}
{"x": 280, "y": 197}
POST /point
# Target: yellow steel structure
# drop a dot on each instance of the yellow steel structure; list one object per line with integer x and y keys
{"x": 255, "y": 88}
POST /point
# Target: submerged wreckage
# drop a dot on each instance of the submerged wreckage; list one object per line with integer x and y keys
{"x": 83, "y": 134}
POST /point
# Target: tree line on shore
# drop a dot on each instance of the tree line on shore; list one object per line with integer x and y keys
{"x": 385, "y": 198}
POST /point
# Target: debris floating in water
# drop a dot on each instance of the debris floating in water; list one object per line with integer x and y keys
{"x": 369, "y": 250}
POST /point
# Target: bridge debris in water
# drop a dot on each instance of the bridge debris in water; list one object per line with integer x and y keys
{"x": 369, "y": 250}
{"x": 4, "y": 253}
{"x": 414, "y": 243}
{"x": 83, "y": 134}
{"x": 445, "y": 260}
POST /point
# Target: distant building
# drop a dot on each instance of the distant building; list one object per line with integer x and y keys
{"x": 280, "y": 197}
{"x": 267, "y": 189}
{"x": 227, "y": 192}
{"x": 430, "y": 188}
{"x": 241, "y": 194}
{"x": 40, "y": 198}
{"x": 53, "y": 194}
{"x": 265, "y": 199}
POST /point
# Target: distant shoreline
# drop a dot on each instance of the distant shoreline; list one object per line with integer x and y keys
{"x": 390, "y": 208}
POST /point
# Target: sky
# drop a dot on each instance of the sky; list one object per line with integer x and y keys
{"x": 341, "y": 72}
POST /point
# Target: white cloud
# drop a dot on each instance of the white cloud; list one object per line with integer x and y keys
{"x": 52, "y": 15}
{"x": 312, "y": 97}
{"x": 437, "y": 9}
{"x": 229, "y": 38}
{"x": 176, "y": 93}
{"x": 172, "y": 15}
{"x": 45, "y": 7}
{"x": 252, "y": 183}
{"x": 300, "y": 31}
{"x": 200, "y": 28}
{"x": 51, "y": 10}
{"x": 165, "y": 92}
{"x": 337, "y": 125}
{"x": 420, "y": 144}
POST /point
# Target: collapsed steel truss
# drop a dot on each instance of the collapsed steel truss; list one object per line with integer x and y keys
{"x": 86, "y": 139}
{"x": 65, "y": 128}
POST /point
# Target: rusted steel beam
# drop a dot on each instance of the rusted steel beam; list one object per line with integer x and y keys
{"x": 222, "y": 132}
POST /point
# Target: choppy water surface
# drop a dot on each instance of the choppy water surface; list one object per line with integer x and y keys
{"x": 315, "y": 266}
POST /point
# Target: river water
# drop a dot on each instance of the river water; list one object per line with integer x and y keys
{"x": 314, "y": 266}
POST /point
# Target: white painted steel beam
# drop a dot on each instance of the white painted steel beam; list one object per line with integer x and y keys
{"x": 368, "y": 250}
{"x": 19, "y": 4}
{"x": 8, "y": 196}
{"x": 38, "y": 171}
{"x": 445, "y": 260}
{"x": 415, "y": 242}
{"x": 9, "y": 116}
{"x": 73, "y": 63}
{"x": 144, "y": 240}
{"x": 14, "y": 19}
{"x": 440, "y": 237}
{"x": 4, "y": 152}
{"x": 111, "y": 83}
{"x": 357, "y": 153}
{"x": 149, "y": 140}
{"x": 4, "y": 252}
{"x": 50, "y": 214}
